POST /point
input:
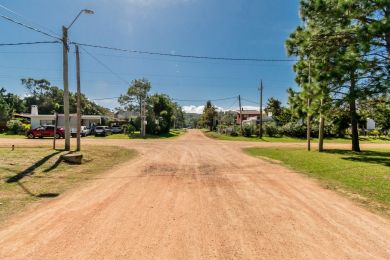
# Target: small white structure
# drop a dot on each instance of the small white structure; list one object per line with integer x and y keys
{"x": 38, "y": 120}
{"x": 370, "y": 124}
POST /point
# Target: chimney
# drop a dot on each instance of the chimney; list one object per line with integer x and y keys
{"x": 34, "y": 110}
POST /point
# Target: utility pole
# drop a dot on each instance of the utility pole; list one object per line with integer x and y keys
{"x": 78, "y": 98}
{"x": 239, "y": 104}
{"x": 261, "y": 110}
{"x": 143, "y": 119}
{"x": 65, "y": 49}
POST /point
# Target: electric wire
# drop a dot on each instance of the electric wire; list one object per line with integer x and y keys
{"x": 28, "y": 43}
{"x": 182, "y": 55}
{"x": 29, "y": 27}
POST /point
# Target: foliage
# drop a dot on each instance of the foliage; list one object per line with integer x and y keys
{"x": 247, "y": 130}
{"x": 343, "y": 49}
{"x": 14, "y": 126}
{"x": 50, "y": 99}
{"x": 209, "y": 116}
{"x": 136, "y": 94}
{"x": 130, "y": 130}
{"x": 271, "y": 129}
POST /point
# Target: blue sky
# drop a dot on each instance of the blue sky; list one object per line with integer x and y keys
{"x": 228, "y": 28}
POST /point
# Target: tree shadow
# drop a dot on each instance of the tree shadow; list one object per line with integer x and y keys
{"x": 30, "y": 170}
{"x": 41, "y": 195}
{"x": 373, "y": 157}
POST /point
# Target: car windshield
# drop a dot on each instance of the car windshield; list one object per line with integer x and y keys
{"x": 99, "y": 128}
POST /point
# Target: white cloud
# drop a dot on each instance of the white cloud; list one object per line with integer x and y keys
{"x": 199, "y": 109}
{"x": 193, "y": 109}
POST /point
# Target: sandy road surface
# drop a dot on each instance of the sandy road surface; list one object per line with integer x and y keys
{"x": 196, "y": 198}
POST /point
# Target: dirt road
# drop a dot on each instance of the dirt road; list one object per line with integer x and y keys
{"x": 196, "y": 198}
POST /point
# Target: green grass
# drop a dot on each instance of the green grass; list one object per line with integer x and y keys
{"x": 285, "y": 139}
{"x": 137, "y": 135}
{"x": 32, "y": 174}
{"x": 5, "y": 135}
{"x": 363, "y": 176}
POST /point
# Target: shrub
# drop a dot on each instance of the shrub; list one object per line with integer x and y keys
{"x": 271, "y": 129}
{"x": 130, "y": 129}
{"x": 247, "y": 131}
{"x": 294, "y": 130}
{"x": 14, "y": 126}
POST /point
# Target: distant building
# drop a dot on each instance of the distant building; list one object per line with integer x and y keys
{"x": 125, "y": 115}
{"x": 251, "y": 116}
{"x": 37, "y": 120}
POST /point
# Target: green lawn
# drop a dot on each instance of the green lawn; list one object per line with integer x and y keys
{"x": 363, "y": 139}
{"x": 4, "y": 135}
{"x": 137, "y": 135}
{"x": 365, "y": 174}
{"x": 32, "y": 174}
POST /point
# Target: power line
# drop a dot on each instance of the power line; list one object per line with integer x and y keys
{"x": 27, "y": 43}
{"x": 106, "y": 67}
{"x": 250, "y": 101}
{"x": 182, "y": 55}
{"x": 29, "y": 27}
{"x": 27, "y": 19}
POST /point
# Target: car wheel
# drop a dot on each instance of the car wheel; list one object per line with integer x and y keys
{"x": 58, "y": 136}
{"x": 40, "y": 137}
{"x": 30, "y": 136}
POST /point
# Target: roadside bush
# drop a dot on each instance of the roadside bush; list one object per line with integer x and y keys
{"x": 294, "y": 130}
{"x": 247, "y": 131}
{"x": 375, "y": 133}
{"x": 14, "y": 126}
{"x": 130, "y": 129}
{"x": 271, "y": 129}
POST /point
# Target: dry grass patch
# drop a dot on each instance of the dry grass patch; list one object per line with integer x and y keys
{"x": 32, "y": 174}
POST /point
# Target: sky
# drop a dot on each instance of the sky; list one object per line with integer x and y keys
{"x": 217, "y": 28}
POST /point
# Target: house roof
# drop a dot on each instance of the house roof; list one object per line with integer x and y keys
{"x": 249, "y": 112}
{"x": 60, "y": 115}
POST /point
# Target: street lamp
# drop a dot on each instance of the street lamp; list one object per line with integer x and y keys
{"x": 65, "y": 49}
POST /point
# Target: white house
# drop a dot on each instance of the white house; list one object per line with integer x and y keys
{"x": 38, "y": 120}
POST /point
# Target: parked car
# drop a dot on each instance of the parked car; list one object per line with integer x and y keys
{"x": 45, "y": 131}
{"x": 84, "y": 131}
{"x": 102, "y": 131}
{"x": 116, "y": 129}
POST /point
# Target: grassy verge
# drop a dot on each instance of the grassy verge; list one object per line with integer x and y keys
{"x": 363, "y": 176}
{"x": 32, "y": 174}
{"x": 363, "y": 139}
{"x": 137, "y": 135}
{"x": 4, "y": 135}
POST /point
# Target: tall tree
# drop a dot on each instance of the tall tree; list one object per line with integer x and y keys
{"x": 209, "y": 115}
{"x": 332, "y": 41}
{"x": 136, "y": 94}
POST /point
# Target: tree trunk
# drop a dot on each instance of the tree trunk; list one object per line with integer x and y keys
{"x": 308, "y": 126}
{"x": 321, "y": 131}
{"x": 354, "y": 120}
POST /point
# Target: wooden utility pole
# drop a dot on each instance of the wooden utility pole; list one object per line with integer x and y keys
{"x": 239, "y": 104}
{"x": 261, "y": 110}
{"x": 143, "y": 118}
{"x": 78, "y": 99}
{"x": 66, "y": 86}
